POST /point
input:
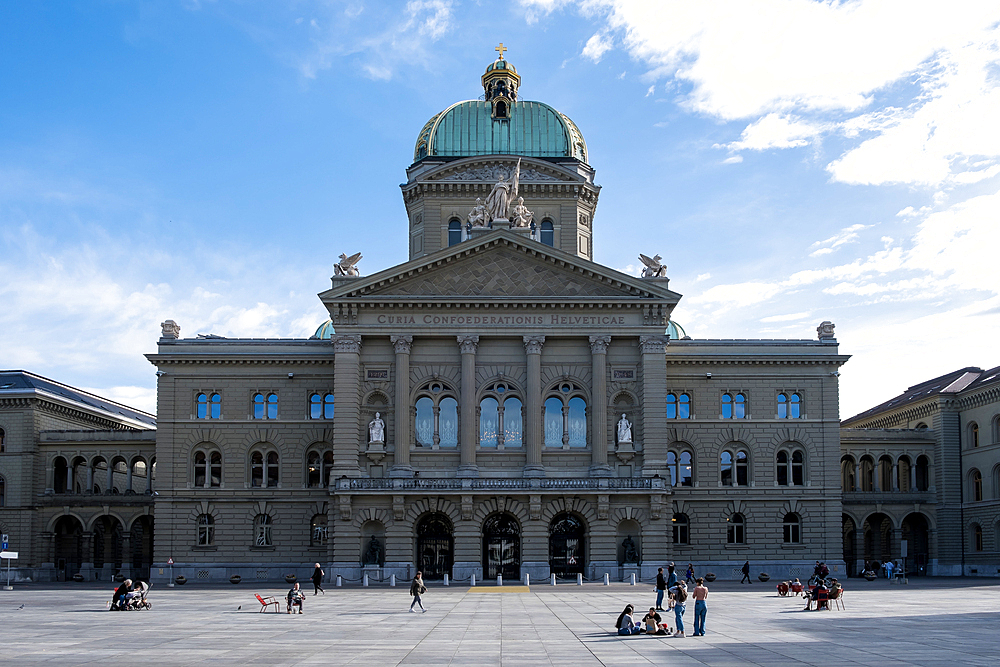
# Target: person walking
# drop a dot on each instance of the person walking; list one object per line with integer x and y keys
{"x": 689, "y": 575}
{"x": 746, "y": 572}
{"x": 680, "y": 598}
{"x": 661, "y": 587}
{"x": 700, "y": 595}
{"x": 317, "y": 579}
{"x": 671, "y": 576}
{"x": 417, "y": 589}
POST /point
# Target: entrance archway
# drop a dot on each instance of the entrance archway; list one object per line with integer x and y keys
{"x": 69, "y": 547}
{"x": 142, "y": 547}
{"x": 877, "y": 530}
{"x": 915, "y": 531}
{"x": 501, "y": 547}
{"x": 850, "y": 542}
{"x": 108, "y": 542}
{"x": 566, "y": 545}
{"x": 435, "y": 546}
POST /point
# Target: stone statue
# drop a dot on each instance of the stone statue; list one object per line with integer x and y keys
{"x": 347, "y": 266}
{"x": 477, "y": 216}
{"x": 170, "y": 329}
{"x": 825, "y": 330}
{"x": 521, "y": 216}
{"x": 653, "y": 267}
{"x": 376, "y": 429}
{"x": 624, "y": 430}
{"x": 373, "y": 556}
{"x": 498, "y": 201}
{"x": 631, "y": 552}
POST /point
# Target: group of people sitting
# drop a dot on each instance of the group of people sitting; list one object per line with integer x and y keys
{"x": 128, "y": 595}
{"x": 652, "y": 623}
{"x": 820, "y": 592}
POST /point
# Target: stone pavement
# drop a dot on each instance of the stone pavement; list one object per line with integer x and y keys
{"x": 929, "y": 622}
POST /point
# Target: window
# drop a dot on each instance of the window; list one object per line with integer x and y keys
{"x": 789, "y": 406}
{"x": 318, "y": 467}
{"x": 996, "y": 429}
{"x": 798, "y": 471}
{"x": 209, "y": 406}
{"x": 206, "y": 530}
{"x": 790, "y": 470}
{"x": 734, "y": 468}
{"x": 265, "y": 407}
{"x": 272, "y": 469}
{"x": 500, "y": 417}
{"x": 577, "y": 425}
{"x": 734, "y": 406}
{"x": 977, "y": 537}
{"x": 885, "y": 474}
{"x": 3, "y": 492}
{"x": 566, "y": 417}
{"x": 262, "y": 531}
{"x": 436, "y": 418}
{"x": 263, "y": 468}
{"x": 792, "y": 527}
{"x": 867, "y": 474}
{"x": 215, "y": 469}
{"x": 903, "y": 471}
{"x": 512, "y": 422}
{"x": 736, "y": 529}
{"x": 317, "y": 531}
{"x": 726, "y": 468}
{"x": 553, "y": 422}
{"x": 680, "y": 529}
{"x": 548, "y": 236}
{"x": 977, "y": 485}
{"x": 973, "y": 434}
{"x": 321, "y": 406}
{"x": 3, "y": 441}
{"x": 424, "y": 424}
{"x": 454, "y": 232}
{"x": 200, "y": 469}
{"x": 679, "y": 467}
{"x": 448, "y": 422}
{"x": 678, "y": 406}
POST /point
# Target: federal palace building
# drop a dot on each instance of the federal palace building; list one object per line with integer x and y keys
{"x": 498, "y": 405}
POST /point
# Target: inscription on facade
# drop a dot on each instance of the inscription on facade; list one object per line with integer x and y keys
{"x": 622, "y": 374}
{"x": 500, "y": 320}
{"x": 377, "y": 374}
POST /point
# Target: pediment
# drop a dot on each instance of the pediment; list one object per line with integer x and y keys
{"x": 500, "y": 266}
{"x": 489, "y": 169}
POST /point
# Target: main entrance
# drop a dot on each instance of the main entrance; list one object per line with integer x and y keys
{"x": 435, "y": 546}
{"x": 501, "y": 547}
{"x": 566, "y": 542}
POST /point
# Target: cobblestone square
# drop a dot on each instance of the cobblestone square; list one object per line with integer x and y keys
{"x": 928, "y": 622}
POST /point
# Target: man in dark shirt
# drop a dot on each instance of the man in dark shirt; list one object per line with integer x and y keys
{"x": 661, "y": 587}
{"x": 652, "y": 623}
{"x": 746, "y": 573}
{"x": 118, "y": 601}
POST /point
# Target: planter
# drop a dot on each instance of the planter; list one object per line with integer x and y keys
{"x": 710, "y": 577}
{"x": 180, "y": 579}
{"x": 291, "y": 578}
{"x": 235, "y": 579}
{"x": 764, "y": 576}
{"x": 77, "y": 577}
{"x": 119, "y": 578}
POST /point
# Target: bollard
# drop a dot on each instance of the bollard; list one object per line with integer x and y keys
{"x": 553, "y": 579}
{"x": 446, "y": 579}
{"x": 473, "y": 578}
{"x": 607, "y": 581}
{"x": 632, "y": 578}
{"x": 579, "y": 578}
{"x": 365, "y": 582}
{"x": 527, "y": 579}
{"x": 339, "y": 582}
{"x": 499, "y": 580}
{"x": 392, "y": 580}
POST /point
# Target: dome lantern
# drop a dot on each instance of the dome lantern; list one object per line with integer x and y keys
{"x": 500, "y": 82}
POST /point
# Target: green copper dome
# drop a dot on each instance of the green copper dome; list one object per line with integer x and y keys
{"x": 325, "y": 331}
{"x": 675, "y": 331}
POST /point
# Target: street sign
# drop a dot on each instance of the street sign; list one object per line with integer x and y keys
{"x": 8, "y": 554}
{"x": 170, "y": 561}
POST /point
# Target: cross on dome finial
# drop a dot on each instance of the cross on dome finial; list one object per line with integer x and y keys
{"x": 500, "y": 49}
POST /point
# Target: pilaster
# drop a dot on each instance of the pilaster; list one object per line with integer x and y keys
{"x": 467, "y": 467}
{"x": 598, "y": 410}
{"x": 533, "y": 407}
{"x": 401, "y": 463}
{"x": 654, "y": 404}
{"x": 347, "y": 376}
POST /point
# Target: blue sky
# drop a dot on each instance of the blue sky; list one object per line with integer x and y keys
{"x": 207, "y": 162}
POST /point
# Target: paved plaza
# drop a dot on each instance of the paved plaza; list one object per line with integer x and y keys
{"x": 929, "y": 622}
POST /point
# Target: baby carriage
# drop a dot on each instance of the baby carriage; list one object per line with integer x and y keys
{"x": 136, "y": 600}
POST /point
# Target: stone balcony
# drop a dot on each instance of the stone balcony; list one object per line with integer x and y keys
{"x": 495, "y": 485}
{"x": 888, "y": 497}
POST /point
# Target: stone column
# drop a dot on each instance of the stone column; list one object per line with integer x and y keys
{"x": 599, "y": 410}
{"x": 128, "y": 477}
{"x": 533, "y": 407}
{"x": 69, "y": 478}
{"x": 346, "y": 369}
{"x": 401, "y": 463}
{"x": 90, "y": 479}
{"x": 895, "y": 476}
{"x": 111, "y": 478}
{"x": 654, "y": 404}
{"x": 468, "y": 346}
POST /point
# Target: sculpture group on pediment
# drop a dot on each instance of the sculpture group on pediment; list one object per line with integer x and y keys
{"x": 347, "y": 266}
{"x": 520, "y": 216}
{"x": 478, "y": 215}
{"x": 654, "y": 269}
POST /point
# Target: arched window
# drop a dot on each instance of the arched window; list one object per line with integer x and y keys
{"x": 973, "y": 434}
{"x": 200, "y": 469}
{"x": 742, "y": 469}
{"x": 489, "y": 422}
{"x": 272, "y": 469}
{"x": 512, "y": 422}
{"x": 679, "y": 467}
{"x": 436, "y": 416}
{"x": 885, "y": 473}
{"x": 976, "y": 478}
{"x": 798, "y": 468}
{"x": 318, "y": 465}
{"x": 60, "y": 477}
{"x": 736, "y": 529}
{"x": 548, "y": 236}
{"x": 209, "y": 406}
{"x": 679, "y": 525}
{"x": 577, "y": 425}
{"x": 790, "y": 470}
{"x": 792, "y": 528}
{"x": 317, "y": 531}
{"x": 867, "y": 474}
{"x": 214, "y": 469}
{"x": 454, "y": 232}
{"x": 321, "y": 406}
{"x": 566, "y": 417}
{"x": 903, "y": 471}
{"x": 3, "y": 441}
{"x": 262, "y": 531}
{"x": 734, "y": 406}
{"x": 996, "y": 429}
{"x": 256, "y": 470}
{"x": 726, "y": 468}
{"x": 553, "y": 422}
{"x": 782, "y": 468}
{"x": 3, "y": 492}
{"x": 206, "y": 530}
{"x": 977, "y": 537}
{"x": 424, "y": 423}
{"x": 265, "y": 407}
{"x": 734, "y": 468}
{"x": 678, "y": 406}
{"x": 923, "y": 473}
{"x": 789, "y": 406}
{"x": 448, "y": 422}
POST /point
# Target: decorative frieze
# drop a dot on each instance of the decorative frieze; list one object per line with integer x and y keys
{"x": 653, "y": 344}
{"x": 347, "y": 343}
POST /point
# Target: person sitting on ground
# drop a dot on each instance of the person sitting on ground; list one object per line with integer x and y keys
{"x": 118, "y": 601}
{"x": 625, "y": 623}
{"x": 295, "y": 597}
{"x": 652, "y": 623}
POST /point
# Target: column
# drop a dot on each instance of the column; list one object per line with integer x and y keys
{"x": 90, "y": 479}
{"x": 128, "y": 478}
{"x": 346, "y": 438}
{"x": 69, "y": 478}
{"x": 654, "y": 404}
{"x": 401, "y": 463}
{"x": 598, "y": 409}
{"x": 468, "y": 346}
{"x": 895, "y": 476}
{"x": 533, "y": 407}
{"x": 111, "y": 477}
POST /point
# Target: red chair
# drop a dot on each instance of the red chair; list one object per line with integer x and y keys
{"x": 837, "y": 597}
{"x": 268, "y": 601}
{"x": 797, "y": 587}
{"x": 823, "y": 600}
{"x": 783, "y": 588}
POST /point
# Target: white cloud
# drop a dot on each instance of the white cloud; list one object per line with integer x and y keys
{"x": 651, "y": 90}
{"x": 776, "y": 131}
{"x": 733, "y": 159}
{"x": 791, "y": 317}
{"x": 844, "y": 236}
{"x": 596, "y": 47}
{"x": 703, "y": 276}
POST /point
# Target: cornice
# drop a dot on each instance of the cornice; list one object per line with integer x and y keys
{"x": 52, "y": 407}
{"x": 205, "y": 357}
{"x": 723, "y": 359}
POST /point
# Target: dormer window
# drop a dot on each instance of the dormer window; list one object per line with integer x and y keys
{"x": 500, "y": 110}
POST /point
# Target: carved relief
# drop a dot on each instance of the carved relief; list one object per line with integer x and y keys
{"x": 496, "y": 171}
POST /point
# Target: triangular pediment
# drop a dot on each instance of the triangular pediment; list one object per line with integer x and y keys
{"x": 501, "y": 266}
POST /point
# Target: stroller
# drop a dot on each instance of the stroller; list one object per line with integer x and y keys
{"x": 137, "y": 598}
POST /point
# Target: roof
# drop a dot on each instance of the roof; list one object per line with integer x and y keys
{"x": 950, "y": 383}
{"x": 16, "y": 383}
{"x": 467, "y": 129}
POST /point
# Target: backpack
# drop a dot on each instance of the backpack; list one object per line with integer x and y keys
{"x": 682, "y": 595}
